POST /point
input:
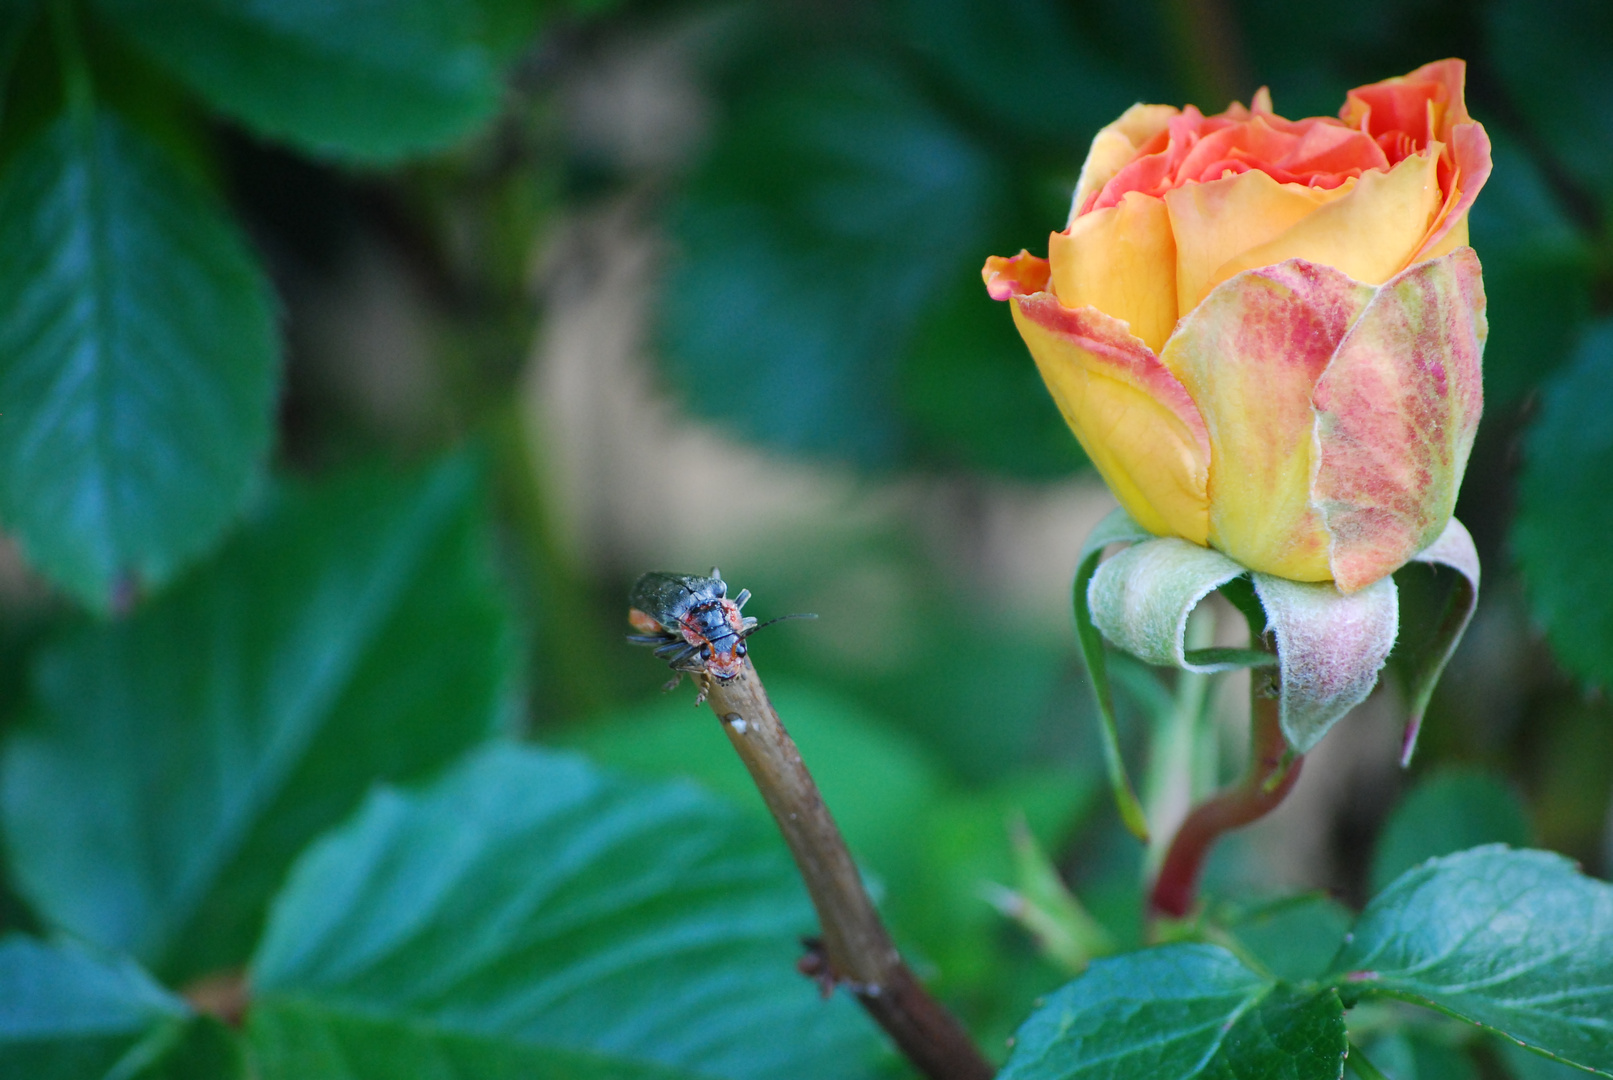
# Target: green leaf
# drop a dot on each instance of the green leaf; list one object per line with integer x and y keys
{"x": 309, "y": 1041}
{"x": 1515, "y": 941}
{"x": 1553, "y": 62}
{"x": 138, "y": 360}
{"x": 996, "y": 52}
{"x": 1449, "y": 811}
{"x": 1564, "y": 515}
{"x": 1180, "y": 1012}
{"x": 1115, "y": 529}
{"x": 16, "y": 20}
{"x": 354, "y": 80}
{"x": 207, "y": 1050}
{"x": 1404, "y": 1056}
{"x": 1523, "y": 1065}
{"x": 837, "y": 206}
{"x": 534, "y": 904}
{"x": 971, "y": 395}
{"x": 186, "y": 755}
{"x": 1295, "y": 937}
{"x": 1538, "y": 267}
{"x": 67, "y": 1012}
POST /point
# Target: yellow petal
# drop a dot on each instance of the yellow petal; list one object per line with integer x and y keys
{"x": 1370, "y": 233}
{"x": 1250, "y": 356}
{"x": 1133, "y": 418}
{"x": 1218, "y": 221}
{"x": 1455, "y": 238}
{"x": 1115, "y": 146}
{"x": 1122, "y": 261}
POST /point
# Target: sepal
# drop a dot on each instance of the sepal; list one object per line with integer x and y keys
{"x": 1117, "y": 528}
{"x": 1330, "y": 648}
{"x": 1454, "y": 549}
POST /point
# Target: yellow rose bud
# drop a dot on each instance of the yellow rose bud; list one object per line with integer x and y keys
{"x": 1267, "y": 333}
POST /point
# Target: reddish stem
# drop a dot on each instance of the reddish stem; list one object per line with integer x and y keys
{"x": 1273, "y": 769}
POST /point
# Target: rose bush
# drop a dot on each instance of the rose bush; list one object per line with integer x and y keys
{"x": 1267, "y": 333}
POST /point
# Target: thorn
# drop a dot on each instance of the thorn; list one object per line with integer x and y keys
{"x": 814, "y": 964}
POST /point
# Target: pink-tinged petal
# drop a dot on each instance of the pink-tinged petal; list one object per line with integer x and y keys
{"x": 1115, "y": 146}
{"x": 1250, "y": 356}
{"x": 1019, "y": 275}
{"x": 1133, "y": 418}
{"x": 1396, "y": 413}
{"x": 1470, "y": 154}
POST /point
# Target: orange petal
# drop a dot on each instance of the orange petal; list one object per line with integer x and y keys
{"x": 1019, "y": 275}
{"x": 1371, "y": 233}
{"x": 1396, "y": 414}
{"x": 1401, "y": 103}
{"x": 1470, "y": 154}
{"x": 1216, "y": 222}
{"x": 1430, "y": 102}
{"x": 1122, "y": 261}
{"x": 1250, "y": 355}
{"x": 1133, "y": 418}
{"x": 1115, "y": 146}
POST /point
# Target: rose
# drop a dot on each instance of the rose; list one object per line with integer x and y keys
{"x": 1266, "y": 333}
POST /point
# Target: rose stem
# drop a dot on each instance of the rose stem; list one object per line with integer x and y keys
{"x": 1272, "y": 772}
{"x": 856, "y": 945}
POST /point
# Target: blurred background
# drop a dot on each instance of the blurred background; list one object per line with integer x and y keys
{"x": 695, "y": 283}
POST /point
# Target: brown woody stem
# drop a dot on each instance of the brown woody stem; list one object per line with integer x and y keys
{"x": 1273, "y": 769}
{"x": 856, "y": 946}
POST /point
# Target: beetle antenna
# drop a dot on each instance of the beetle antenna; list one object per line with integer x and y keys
{"x": 749, "y": 630}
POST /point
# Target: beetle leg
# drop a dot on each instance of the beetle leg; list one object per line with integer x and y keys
{"x": 672, "y": 683}
{"x": 744, "y": 595}
{"x": 672, "y": 645}
{"x": 686, "y": 660}
{"x": 647, "y": 639}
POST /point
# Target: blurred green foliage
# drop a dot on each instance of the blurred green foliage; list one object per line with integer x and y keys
{"x": 270, "y": 617}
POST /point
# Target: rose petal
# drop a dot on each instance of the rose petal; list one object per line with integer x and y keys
{"x": 1115, "y": 146}
{"x": 1470, "y": 153}
{"x": 1370, "y": 233}
{"x": 1453, "y": 237}
{"x": 1282, "y": 324}
{"x": 1401, "y": 103}
{"x": 1019, "y": 275}
{"x": 1330, "y": 647}
{"x": 1397, "y": 410}
{"x": 1133, "y": 418}
{"x": 1216, "y": 222}
{"x": 1122, "y": 261}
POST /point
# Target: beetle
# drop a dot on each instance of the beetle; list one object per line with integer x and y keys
{"x": 693, "y": 624}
